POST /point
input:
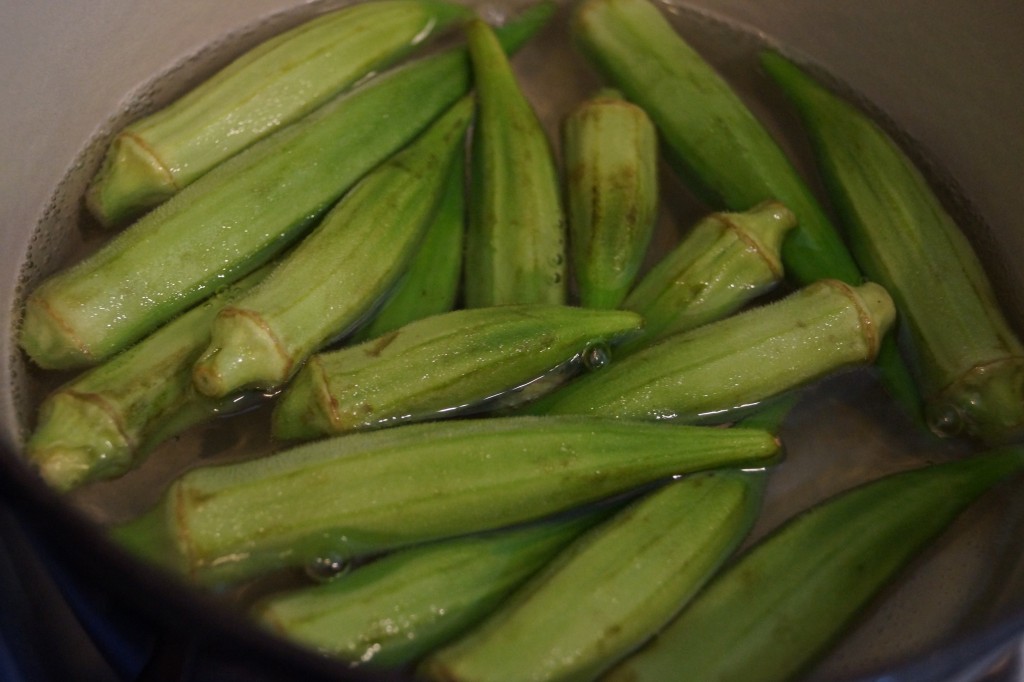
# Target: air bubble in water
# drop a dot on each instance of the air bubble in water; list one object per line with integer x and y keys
{"x": 596, "y": 356}
{"x": 326, "y": 568}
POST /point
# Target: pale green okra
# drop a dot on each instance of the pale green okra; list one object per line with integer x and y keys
{"x": 440, "y": 365}
{"x": 268, "y": 87}
{"x": 241, "y": 214}
{"x": 336, "y": 275}
{"x": 379, "y": 490}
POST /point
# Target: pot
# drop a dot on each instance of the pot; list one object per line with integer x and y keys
{"x": 944, "y": 75}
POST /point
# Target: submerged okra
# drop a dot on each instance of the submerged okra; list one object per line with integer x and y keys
{"x": 398, "y": 608}
{"x": 439, "y": 365}
{"x": 774, "y": 611}
{"x": 611, "y": 169}
{"x": 99, "y": 424}
{"x": 968, "y": 359}
{"x": 268, "y": 87}
{"x": 611, "y": 589}
{"x": 379, "y": 490}
{"x": 336, "y": 275}
{"x": 725, "y": 260}
{"x": 515, "y": 240}
{"x": 242, "y": 213}
{"x": 710, "y": 372}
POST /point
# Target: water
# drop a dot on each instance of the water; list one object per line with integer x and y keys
{"x": 843, "y": 432}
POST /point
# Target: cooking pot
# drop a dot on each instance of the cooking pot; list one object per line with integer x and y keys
{"x": 944, "y": 75}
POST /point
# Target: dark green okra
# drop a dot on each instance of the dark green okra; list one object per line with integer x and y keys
{"x": 725, "y": 261}
{"x": 268, "y": 87}
{"x": 242, "y": 213}
{"x": 611, "y": 169}
{"x": 715, "y": 143}
{"x": 710, "y": 372}
{"x": 969, "y": 361}
{"x": 379, "y": 490}
{"x": 441, "y": 364}
{"x": 611, "y": 589}
{"x": 100, "y": 424}
{"x": 336, "y": 275}
{"x": 773, "y": 612}
{"x": 399, "y": 608}
{"x": 515, "y": 242}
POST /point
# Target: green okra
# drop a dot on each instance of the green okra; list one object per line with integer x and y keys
{"x": 717, "y": 145}
{"x": 724, "y": 262}
{"x": 398, "y": 608}
{"x": 710, "y": 372}
{"x": 336, "y": 275}
{"x": 242, "y": 213}
{"x": 430, "y": 285}
{"x": 776, "y": 610}
{"x": 446, "y": 363}
{"x": 969, "y": 361}
{"x": 268, "y": 87}
{"x": 611, "y": 169}
{"x": 100, "y": 424}
{"x": 380, "y": 490}
{"x": 611, "y": 589}
{"x": 515, "y": 241}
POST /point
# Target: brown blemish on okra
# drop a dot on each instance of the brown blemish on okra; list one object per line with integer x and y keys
{"x": 375, "y": 349}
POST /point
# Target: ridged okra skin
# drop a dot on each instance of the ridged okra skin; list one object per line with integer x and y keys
{"x": 777, "y": 609}
{"x": 717, "y": 145}
{"x": 430, "y": 285}
{"x": 242, "y": 213}
{"x": 725, "y": 261}
{"x": 398, "y": 608}
{"x": 611, "y": 177}
{"x": 710, "y": 372}
{"x": 379, "y": 490}
{"x": 268, "y": 87}
{"x": 611, "y": 589}
{"x": 515, "y": 242}
{"x": 444, "y": 364}
{"x": 969, "y": 361}
{"x": 100, "y": 424}
{"x": 336, "y": 275}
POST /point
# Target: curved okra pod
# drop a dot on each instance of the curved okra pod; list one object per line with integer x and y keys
{"x": 773, "y": 612}
{"x": 611, "y": 589}
{"x": 339, "y": 271}
{"x": 99, "y": 425}
{"x": 242, "y": 213}
{"x": 969, "y": 361}
{"x": 716, "y": 144}
{"x": 737, "y": 362}
{"x": 268, "y": 87}
{"x": 725, "y": 261}
{"x": 611, "y": 169}
{"x": 441, "y": 364}
{"x": 515, "y": 242}
{"x": 398, "y": 608}
{"x": 379, "y": 490}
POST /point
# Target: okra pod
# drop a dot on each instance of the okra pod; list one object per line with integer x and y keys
{"x": 773, "y": 612}
{"x": 515, "y": 242}
{"x": 711, "y": 372}
{"x": 241, "y": 214}
{"x": 100, "y": 424}
{"x": 718, "y": 146}
{"x": 336, "y": 275}
{"x": 444, "y": 364}
{"x": 725, "y": 261}
{"x": 611, "y": 589}
{"x": 611, "y": 169}
{"x": 969, "y": 361}
{"x": 379, "y": 490}
{"x": 396, "y": 609}
{"x": 268, "y": 87}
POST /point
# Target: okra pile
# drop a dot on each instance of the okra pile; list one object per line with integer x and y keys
{"x": 538, "y": 436}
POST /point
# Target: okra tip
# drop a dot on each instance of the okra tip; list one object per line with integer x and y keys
{"x": 986, "y": 403}
{"x": 243, "y": 353}
{"x": 47, "y": 339}
{"x": 876, "y": 308}
{"x": 131, "y": 179}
